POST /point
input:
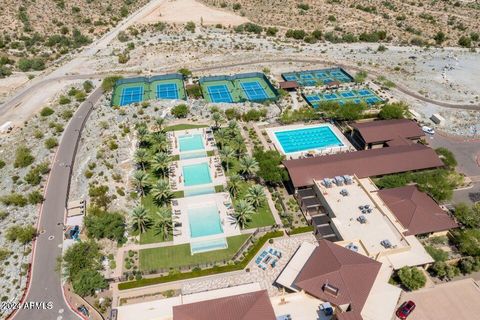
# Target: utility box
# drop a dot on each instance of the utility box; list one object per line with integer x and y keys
{"x": 437, "y": 119}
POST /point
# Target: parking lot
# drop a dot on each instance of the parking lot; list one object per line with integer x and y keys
{"x": 446, "y": 301}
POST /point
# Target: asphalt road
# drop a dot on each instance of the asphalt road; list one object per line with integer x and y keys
{"x": 45, "y": 282}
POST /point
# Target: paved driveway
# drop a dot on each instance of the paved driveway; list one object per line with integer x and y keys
{"x": 45, "y": 283}
{"x": 465, "y": 152}
{"x": 447, "y": 301}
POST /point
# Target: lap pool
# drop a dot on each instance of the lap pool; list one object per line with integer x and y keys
{"x": 306, "y": 139}
{"x": 191, "y": 142}
{"x": 196, "y": 174}
{"x": 204, "y": 221}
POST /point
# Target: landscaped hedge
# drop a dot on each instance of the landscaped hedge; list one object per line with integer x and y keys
{"x": 205, "y": 272}
{"x": 300, "y": 230}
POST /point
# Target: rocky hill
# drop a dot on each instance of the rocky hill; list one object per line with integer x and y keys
{"x": 34, "y": 32}
{"x": 417, "y": 22}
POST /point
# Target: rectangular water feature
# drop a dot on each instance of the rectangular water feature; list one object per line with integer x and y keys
{"x": 305, "y": 139}
{"x": 191, "y": 142}
{"x": 204, "y": 221}
{"x": 196, "y": 174}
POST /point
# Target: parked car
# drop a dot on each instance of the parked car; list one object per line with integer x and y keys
{"x": 84, "y": 310}
{"x": 405, "y": 309}
{"x": 428, "y": 130}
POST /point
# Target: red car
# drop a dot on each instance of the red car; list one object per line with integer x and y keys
{"x": 405, "y": 309}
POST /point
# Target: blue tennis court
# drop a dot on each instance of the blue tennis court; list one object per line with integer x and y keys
{"x": 342, "y": 97}
{"x": 330, "y": 96}
{"x": 314, "y": 98}
{"x": 254, "y": 90}
{"x": 219, "y": 93}
{"x": 131, "y": 95}
{"x": 306, "y": 76}
{"x": 347, "y": 94}
{"x": 321, "y": 75}
{"x": 167, "y": 91}
{"x": 372, "y": 100}
{"x": 290, "y": 77}
{"x": 318, "y": 77}
{"x": 365, "y": 92}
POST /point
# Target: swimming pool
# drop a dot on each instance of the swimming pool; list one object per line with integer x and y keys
{"x": 191, "y": 142}
{"x": 305, "y": 139}
{"x": 204, "y": 221}
{"x": 196, "y": 174}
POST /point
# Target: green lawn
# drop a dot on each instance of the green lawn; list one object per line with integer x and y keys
{"x": 184, "y": 126}
{"x": 150, "y": 236}
{"x": 179, "y": 255}
{"x": 263, "y": 216}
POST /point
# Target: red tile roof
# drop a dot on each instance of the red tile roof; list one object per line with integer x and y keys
{"x": 247, "y": 306}
{"x": 416, "y": 211}
{"x": 364, "y": 163}
{"x": 288, "y": 85}
{"x": 386, "y": 130}
{"x": 351, "y": 273}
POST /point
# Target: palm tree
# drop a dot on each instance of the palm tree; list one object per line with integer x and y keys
{"x": 160, "y": 162}
{"x": 222, "y": 136}
{"x": 161, "y": 192}
{"x": 227, "y": 153}
{"x": 248, "y": 166}
{"x": 255, "y": 195}
{"x": 217, "y": 118}
{"x": 141, "y": 158}
{"x": 163, "y": 222}
{"x": 141, "y": 221}
{"x": 158, "y": 140}
{"x": 243, "y": 213}
{"x": 141, "y": 181}
{"x": 232, "y": 125}
{"x": 159, "y": 122}
{"x": 142, "y": 133}
{"x": 233, "y": 184}
{"x": 238, "y": 143}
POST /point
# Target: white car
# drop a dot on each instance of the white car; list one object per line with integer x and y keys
{"x": 428, "y": 130}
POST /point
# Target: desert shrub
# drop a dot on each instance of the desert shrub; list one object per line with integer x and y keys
{"x": 180, "y": 111}
{"x": 14, "y": 199}
{"x": 23, "y": 157}
{"x": 45, "y": 112}
{"x": 412, "y": 278}
{"x": 51, "y": 143}
{"x": 22, "y": 234}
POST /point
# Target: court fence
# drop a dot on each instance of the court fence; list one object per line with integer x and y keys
{"x": 364, "y": 99}
{"x": 241, "y": 76}
{"x": 146, "y": 82}
{"x": 286, "y": 75}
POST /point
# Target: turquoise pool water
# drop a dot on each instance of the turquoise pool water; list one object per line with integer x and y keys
{"x": 306, "y": 139}
{"x": 204, "y": 221}
{"x": 204, "y": 246}
{"x": 191, "y": 142}
{"x": 196, "y": 174}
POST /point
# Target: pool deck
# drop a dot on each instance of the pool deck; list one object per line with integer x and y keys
{"x": 207, "y": 138}
{"x": 347, "y": 146}
{"x": 180, "y": 208}
{"x": 216, "y": 173}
